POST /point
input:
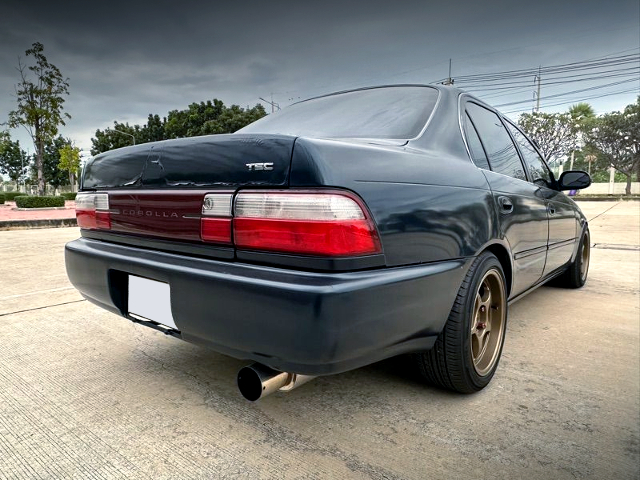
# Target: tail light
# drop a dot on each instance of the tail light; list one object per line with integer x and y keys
{"x": 215, "y": 224}
{"x": 310, "y": 223}
{"x": 92, "y": 211}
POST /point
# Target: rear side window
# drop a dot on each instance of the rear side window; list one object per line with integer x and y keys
{"x": 500, "y": 149}
{"x": 537, "y": 168}
{"x": 478, "y": 155}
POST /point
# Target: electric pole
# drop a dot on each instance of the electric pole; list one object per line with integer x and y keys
{"x": 448, "y": 81}
{"x": 539, "y": 79}
{"x": 273, "y": 104}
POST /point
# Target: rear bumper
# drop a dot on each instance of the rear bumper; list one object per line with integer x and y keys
{"x": 302, "y": 322}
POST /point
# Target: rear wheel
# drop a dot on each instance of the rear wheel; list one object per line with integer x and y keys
{"x": 467, "y": 351}
{"x": 576, "y": 275}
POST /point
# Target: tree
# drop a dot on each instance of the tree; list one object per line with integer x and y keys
{"x": 51, "y": 159}
{"x": 14, "y": 161}
{"x": 204, "y": 118}
{"x": 40, "y": 104}
{"x": 190, "y": 122}
{"x": 154, "y": 130}
{"x": 581, "y": 112}
{"x": 70, "y": 161}
{"x": 616, "y": 136}
{"x": 112, "y": 138}
{"x": 555, "y": 133}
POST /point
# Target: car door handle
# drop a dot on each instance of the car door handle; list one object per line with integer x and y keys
{"x": 506, "y": 206}
{"x": 552, "y": 209}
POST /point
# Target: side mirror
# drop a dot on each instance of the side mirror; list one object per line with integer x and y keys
{"x": 574, "y": 180}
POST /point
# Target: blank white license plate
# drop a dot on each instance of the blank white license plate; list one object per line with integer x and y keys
{"x": 151, "y": 300}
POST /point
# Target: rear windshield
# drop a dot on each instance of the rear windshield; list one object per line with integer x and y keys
{"x": 386, "y": 112}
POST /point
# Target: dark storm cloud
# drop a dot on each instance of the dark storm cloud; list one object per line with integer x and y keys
{"x": 128, "y": 59}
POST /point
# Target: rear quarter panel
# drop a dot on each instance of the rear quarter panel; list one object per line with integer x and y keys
{"x": 429, "y": 205}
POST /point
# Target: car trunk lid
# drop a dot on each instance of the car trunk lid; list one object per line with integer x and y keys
{"x": 157, "y": 189}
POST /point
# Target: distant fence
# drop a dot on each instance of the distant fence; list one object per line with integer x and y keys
{"x": 33, "y": 189}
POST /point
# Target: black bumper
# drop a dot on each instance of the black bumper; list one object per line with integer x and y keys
{"x": 302, "y": 322}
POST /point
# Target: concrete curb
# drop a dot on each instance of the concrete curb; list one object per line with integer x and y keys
{"x": 39, "y": 208}
{"x": 606, "y": 199}
{"x": 39, "y": 223}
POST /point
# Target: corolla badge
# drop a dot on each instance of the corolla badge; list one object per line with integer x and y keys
{"x": 259, "y": 166}
{"x": 150, "y": 213}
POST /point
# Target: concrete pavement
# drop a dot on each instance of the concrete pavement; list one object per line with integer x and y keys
{"x": 86, "y": 394}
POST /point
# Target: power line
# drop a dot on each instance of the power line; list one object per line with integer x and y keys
{"x": 625, "y": 72}
{"x": 559, "y": 68}
{"x": 619, "y": 92}
{"x": 572, "y": 92}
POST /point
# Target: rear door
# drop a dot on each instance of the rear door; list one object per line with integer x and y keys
{"x": 563, "y": 221}
{"x": 522, "y": 209}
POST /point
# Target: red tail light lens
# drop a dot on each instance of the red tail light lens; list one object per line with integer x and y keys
{"x": 92, "y": 211}
{"x": 309, "y": 223}
{"x": 215, "y": 224}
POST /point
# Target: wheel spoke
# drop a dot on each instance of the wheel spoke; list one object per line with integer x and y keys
{"x": 487, "y": 323}
{"x": 486, "y": 301}
{"x": 484, "y": 342}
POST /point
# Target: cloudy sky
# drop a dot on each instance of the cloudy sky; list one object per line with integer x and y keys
{"x": 125, "y": 60}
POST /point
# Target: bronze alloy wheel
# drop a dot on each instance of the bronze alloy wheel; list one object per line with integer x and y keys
{"x": 467, "y": 351}
{"x": 488, "y": 322}
{"x": 584, "y": 257}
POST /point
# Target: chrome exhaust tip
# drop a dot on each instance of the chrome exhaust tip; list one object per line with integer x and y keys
{"x": 256, "y": 381}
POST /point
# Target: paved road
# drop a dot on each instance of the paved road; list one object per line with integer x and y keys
{"x": 85, "y": 394}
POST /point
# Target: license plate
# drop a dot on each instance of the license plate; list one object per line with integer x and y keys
{"x": 151, "y": 300}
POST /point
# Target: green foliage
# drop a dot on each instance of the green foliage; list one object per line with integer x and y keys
{"x": 615, "y": 137}
{"x": 10, "y": 196}
{"x": 2, "y": 198}
{"x": 204, "y": 118}
{"x": 555, "y": 133}
{"x": 13, "y": 160}
{"x": 69, "y": 195}
{"x": 602, "y": 176}
{"x": 70, "y": 161}
{"x": 40, "y": 104}
{"x": 52, "y": 174}
{"x": 26, "y": 201}
{"x": 581, "y": 112}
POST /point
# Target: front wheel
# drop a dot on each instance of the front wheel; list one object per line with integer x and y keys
{"x": 576, "y": 275}
{"x": 466, "y": 354}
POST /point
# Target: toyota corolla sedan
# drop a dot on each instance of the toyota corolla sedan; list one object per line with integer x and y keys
{"x": 340, "y": 231}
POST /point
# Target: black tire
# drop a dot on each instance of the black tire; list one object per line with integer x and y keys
{"x": 452, "y": 362}
{"x": 576, "y": 275}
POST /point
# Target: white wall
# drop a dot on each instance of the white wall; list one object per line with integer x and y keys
{"x": 618, "y": 188}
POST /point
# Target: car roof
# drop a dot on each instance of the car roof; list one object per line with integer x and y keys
{"x": 443, "y": 88}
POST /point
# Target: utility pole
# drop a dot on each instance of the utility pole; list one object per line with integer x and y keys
{"x": 539, "y": 78}
{"x": 448, "y": 81}
{"x": 273, "y": 104}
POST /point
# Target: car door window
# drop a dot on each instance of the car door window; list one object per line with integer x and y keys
{"x": 502, "y": 153}
{"x": 478, "y": 155}
{"x": 540, "y": 174}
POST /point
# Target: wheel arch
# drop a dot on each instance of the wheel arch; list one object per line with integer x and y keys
{"x": 502, "y": 254}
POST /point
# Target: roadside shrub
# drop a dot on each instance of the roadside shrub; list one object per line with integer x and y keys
{"x": 69, "y": 195}
{"x": 25, "y": 201}
{"x": 2, "y": 198}
{"x": 9, "y": 196}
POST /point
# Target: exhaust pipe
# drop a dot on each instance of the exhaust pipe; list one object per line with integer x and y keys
{"x": 256, "y": 381}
